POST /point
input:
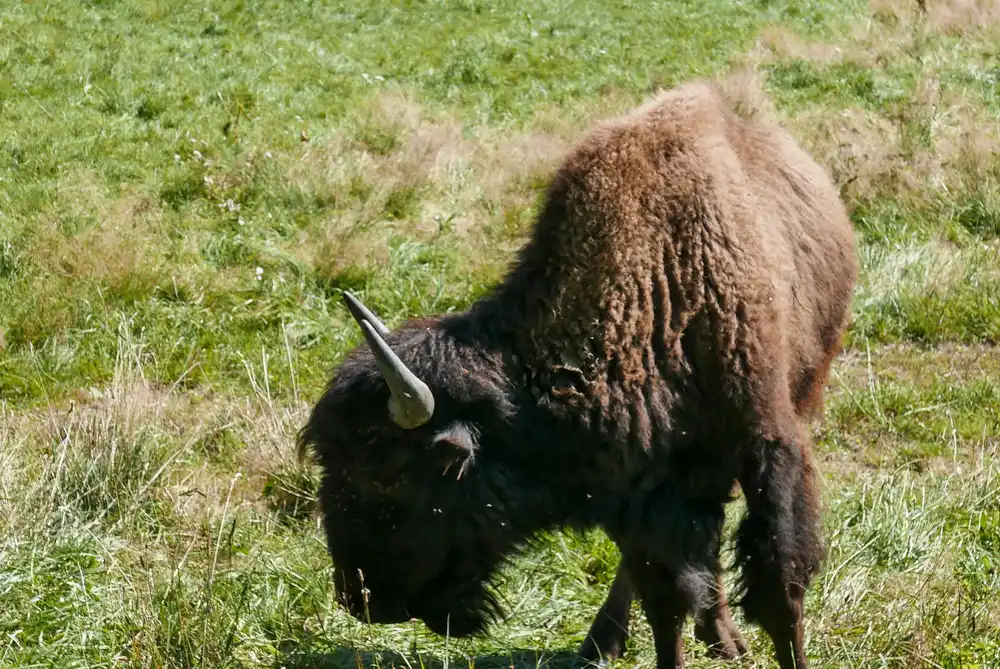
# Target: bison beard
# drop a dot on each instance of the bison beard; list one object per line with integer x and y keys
{"x": 665, "y": 335}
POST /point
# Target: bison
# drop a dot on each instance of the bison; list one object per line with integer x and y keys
{"x": 659, "y": 343}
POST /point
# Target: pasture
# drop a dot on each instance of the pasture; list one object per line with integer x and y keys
{"x": 186, "y": 188}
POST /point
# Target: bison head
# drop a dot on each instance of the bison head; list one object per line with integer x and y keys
{"x": 416, "y": 502}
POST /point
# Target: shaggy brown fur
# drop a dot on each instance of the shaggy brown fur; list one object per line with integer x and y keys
{"x": 661, "y": 338}
{"x": 681, "y": 220}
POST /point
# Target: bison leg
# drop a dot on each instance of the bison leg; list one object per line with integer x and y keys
{"x": 716, "y": 628}
{"x": 671, "y": 552}
{"x": 778, "y": 543}
{"x": 609, "y": 631}
{"x": 665, "y": 606}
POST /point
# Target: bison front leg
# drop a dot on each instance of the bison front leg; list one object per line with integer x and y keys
{"x": 609, "y": 632}
{"x": 665, "y": 605}
{"x": 778, "y": 544}
{"x": 671, "y": 554}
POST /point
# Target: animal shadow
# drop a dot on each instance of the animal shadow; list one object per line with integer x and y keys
{"x": 347, "y": 658}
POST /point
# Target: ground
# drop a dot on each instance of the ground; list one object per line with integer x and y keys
{"x": 185, "y": 189}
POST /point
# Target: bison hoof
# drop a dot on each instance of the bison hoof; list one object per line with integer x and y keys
{"x": 723, "y": 638}
{"x": 585, "y": 662}
{"x": 590, "y": 657}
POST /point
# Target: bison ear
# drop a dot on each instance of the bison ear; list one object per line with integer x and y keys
{"x": 457, "y": 445}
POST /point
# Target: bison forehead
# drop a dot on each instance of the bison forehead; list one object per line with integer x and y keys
{"x": 457, "y": 374}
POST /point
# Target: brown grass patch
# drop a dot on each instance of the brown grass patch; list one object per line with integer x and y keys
{"x": 920, "y": 367}
{"x": 935, "y": 143}
{"x": 949, "y": 17}
{"x": 780, "y": 43}
{"x": 402, "y": 170}
{"x": 867, "y": 153}
{"x": 132, "y": 447}
{"x": 118, "y": 248}
{"x": 860, "y": 149}
{"x": 743, "y": 89}
{"x": 118, "y": 257}
{"x": 956, "y": 17}
{"x": 13, "y": 465}
{"x": 480, "y": 169}
{"x": 105, "y": 452}
{"x": 894, "y": 27}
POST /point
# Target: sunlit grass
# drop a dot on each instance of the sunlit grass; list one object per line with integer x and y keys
{"x": 186, "y": 189}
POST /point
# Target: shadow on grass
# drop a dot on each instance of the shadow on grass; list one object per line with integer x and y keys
{"x": 346, "y": 658}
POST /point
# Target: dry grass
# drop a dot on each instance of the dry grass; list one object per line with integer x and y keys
{"x": 406, "y": 173}
{"x": 935, "y": 144}
{"x": 116, "y": 251}
{"x": 89, "y": 245}
{"x": 743, "y": 88}
{"x": 13, "y": 470}
{"x": 950, "y": 17}
{"x": 113, "y": 454}
{"x": 892, "y": 27}
{"x": 775, "y": 43}
{"x": 922, "y": 149}
{"x": 859, "y": 148}
{"x": 921, "y": 152}
{"x": 110, "y": 448}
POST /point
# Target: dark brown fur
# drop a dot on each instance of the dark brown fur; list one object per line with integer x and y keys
{"x": 662, "y": 337}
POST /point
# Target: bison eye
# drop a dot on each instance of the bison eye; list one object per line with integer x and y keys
{"x": 567, "y": 381}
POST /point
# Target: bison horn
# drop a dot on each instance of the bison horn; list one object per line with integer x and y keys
{"x": 363, "y": 313}
{"x": 412, "y": 402}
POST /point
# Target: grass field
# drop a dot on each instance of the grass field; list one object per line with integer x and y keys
{"x": 185, "y": 189}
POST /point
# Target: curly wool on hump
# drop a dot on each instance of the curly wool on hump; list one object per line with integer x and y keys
{"x": 681, "y": 220}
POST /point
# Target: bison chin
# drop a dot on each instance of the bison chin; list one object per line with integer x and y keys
{"x": 447, "y": 607}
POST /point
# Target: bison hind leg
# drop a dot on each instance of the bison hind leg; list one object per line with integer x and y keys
{"x": 716, "y": 628}
{"x": 778, "y": 543}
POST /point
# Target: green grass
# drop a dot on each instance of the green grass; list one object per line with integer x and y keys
{"x": 186, "y": 188}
